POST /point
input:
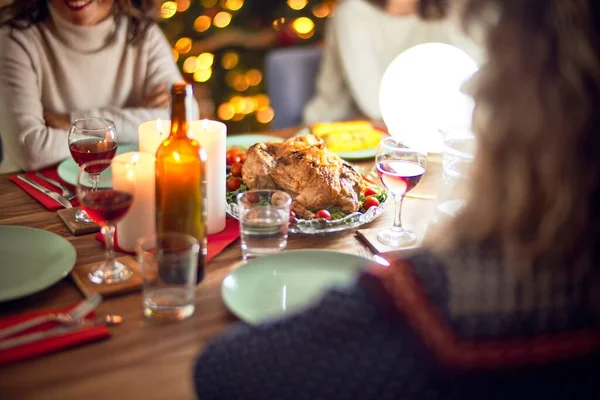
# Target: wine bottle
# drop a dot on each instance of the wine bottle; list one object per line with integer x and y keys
{"x": 180, "y": 169}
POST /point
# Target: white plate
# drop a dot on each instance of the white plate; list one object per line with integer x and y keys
{"x": 32, "y": 260}
{"x": 277, "y": 285}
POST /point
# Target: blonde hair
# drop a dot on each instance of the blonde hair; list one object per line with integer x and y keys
{"x": 535, "y": 190}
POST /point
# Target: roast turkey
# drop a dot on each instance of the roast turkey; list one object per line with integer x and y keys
{"x": 314, "y": 177}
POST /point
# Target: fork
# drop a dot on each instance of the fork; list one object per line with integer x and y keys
{"x": 67, "y": 318}
{"x": 366, "y": 253}
{"x": 66, "y": 193}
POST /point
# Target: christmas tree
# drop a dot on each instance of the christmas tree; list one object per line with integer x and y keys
{"x": 220, "y": 46}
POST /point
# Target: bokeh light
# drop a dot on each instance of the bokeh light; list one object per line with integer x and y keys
{"x": 297, "y": 4}
{"x": 190, "y": 65}
{"x": 232, "y": 5}
{"x": 238, "y": 117}
{"x": 262, "y": 101}
{"x": 321, "y": 10}
{"x": 279, "y": 24}
{"x": 254, "y": 77}
{"x": 168, "y": 9}
{"x": 202, "y": 23}
{"x": 205, "y": 60}
{"x": 303, "y": 25}
{"x": 222, "y": 19}
{"x": 240, "y": 83}
{"x": 175, "y": 55}
{"x": 184, "y": 45}
{"x": 209, "y": 3}
{"x": 238, "y": 104}
{"x": 225, "y": 111}
{"x": 202, "y": 75}
{"x": 230, "y": 60}
{"x": 265, "y": 116}
{"x": 183, "y": 5}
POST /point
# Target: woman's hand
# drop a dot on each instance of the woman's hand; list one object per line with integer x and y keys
{"x": 158, "y": 97}
{"x": 57, "y": 121}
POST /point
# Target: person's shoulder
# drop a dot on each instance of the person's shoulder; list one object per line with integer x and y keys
{"x": 356, "y": 9}
{"x": 15, "y": 41}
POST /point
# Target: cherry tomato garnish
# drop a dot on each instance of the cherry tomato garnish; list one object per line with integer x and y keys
{"x": 243, "y": 156}
{"x": 233, "y": 158}
{"x": 233, "y": 183}
{"x": 323, "y": 214}
{"x": 252, "y": 197}
{"x": 293, "y": 219}
{"x": 236, "y": 169}
{"x": 370, "y": 202}
{"x": 370, "y": 192}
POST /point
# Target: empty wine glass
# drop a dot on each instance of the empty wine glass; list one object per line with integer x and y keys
{"x": 92, "y": 139}
{"x": 106, "y": 203}
{"x": 400, "y": 169}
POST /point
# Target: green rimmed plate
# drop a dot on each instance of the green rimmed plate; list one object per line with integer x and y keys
{"x": 243, "y": 142}
{"x": 32, "y": 260}
{"x": 68, "y": 171}
{"x": 277, "y": 285}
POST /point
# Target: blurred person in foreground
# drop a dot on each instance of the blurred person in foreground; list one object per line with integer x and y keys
{"x": 66, "y": 59}
{"x": 505, "y": 302}
{"x": 361, "y": 40}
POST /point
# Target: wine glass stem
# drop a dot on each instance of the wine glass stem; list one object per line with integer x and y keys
{"x": 109, "y": 236}
{"x": 398, "y": 218}
{"x": 94, "y": 178}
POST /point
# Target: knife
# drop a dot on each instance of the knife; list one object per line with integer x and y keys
{"x": 53, "y": 195}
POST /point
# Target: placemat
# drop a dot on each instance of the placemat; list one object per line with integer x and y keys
{"x": 67, "y": 216}
{"x": 87, "y": 287}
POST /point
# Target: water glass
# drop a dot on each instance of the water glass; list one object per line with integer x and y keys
{"x": 168, "y": 263}
{"x": 264, "y": 218}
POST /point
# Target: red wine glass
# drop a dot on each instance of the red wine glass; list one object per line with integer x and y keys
{"x": 92, "y": 139}
{"x": 400, "y": 169}
{"x": 106, "y": 202}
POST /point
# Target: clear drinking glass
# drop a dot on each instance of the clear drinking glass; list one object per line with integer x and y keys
{"x": 105, "y": 205}
{"x": 400, "y": 169}
{"x": 264, "y": 219}
{"x": 91, "y": 139}
{"x": 168, "y": 262}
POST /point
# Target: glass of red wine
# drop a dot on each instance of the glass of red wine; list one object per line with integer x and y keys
{"x": 106, "y": 203}
{"x": 92, "y": 139}
{"x": 400, "y": 169}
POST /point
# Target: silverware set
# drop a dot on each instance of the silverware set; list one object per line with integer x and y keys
{"x": 62, "y": 198}
{"x": 71, "y": 321}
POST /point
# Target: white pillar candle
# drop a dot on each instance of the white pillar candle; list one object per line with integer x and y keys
{"x": 140, "y": 220}
{"x": 212, "y": 136}
{"x": 151, "y": 134}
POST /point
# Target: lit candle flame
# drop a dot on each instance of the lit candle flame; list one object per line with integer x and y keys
{"x": 135, "y": 158}
{"x": 176, "y": 156}
{"x": 204, "y": 124}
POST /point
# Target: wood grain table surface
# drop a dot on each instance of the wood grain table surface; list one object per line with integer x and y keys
{"x": 144, "y": 359}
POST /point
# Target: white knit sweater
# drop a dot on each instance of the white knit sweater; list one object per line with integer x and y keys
{"x": 83, "y": 71}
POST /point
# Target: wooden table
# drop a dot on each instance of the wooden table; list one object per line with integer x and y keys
{"x": 144, "y": 359}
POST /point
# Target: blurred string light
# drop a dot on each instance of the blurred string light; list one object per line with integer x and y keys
{"x": 232, "y": 5}
{"x": 175, "y": 55}
{"x": 240, "y": 83}
{"x": 183, "y": 5}
{"x": 262, "y": 101}
{"x": 205, "y": 60}
{"x": 304, "y": 27}
{"x": 222, "y": 19}
{"x": 225, "y": 111}
{"x": 190, "y": 65}
{"x": 202, "y": 75}
{"x": 209, "y": 3}
{"x": 321, "y": 10}
{"x": 230, "y": 78}
{"x": 183, "y": 45}
{"x": 168, "y": 9}
{"x": 230, "y": 60}
{"x": 202, "y": 23}
{"x": 265, "y": 115}
{"x": 238, "y": 117}
{"x": 279, "y": 24}
{"x": 254, "y": 77}
{"x": 297, "y": 4}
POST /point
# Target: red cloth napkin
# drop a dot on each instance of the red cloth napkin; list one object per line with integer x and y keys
{"x": 216, "y": 242}
{"x": 46, "y": 201}
{"x": 50, "y": 345}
